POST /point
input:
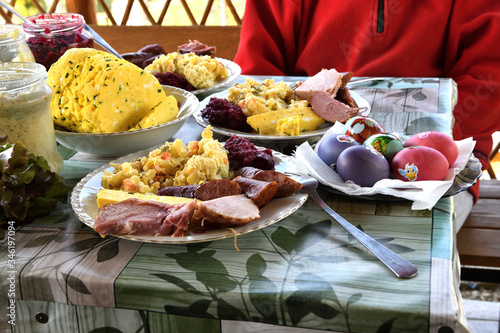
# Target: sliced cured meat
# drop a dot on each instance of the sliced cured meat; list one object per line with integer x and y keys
{"x": 331, "y": 109}
{"x": 208, "y": 190}
{"x": 345, "y": 79}
{"x": 344, "y": 96}
{"x": 177, "y": 222}
{"x": 226, "y": 211}
{"x": 259, "y": 191}
{"x": 145, "y": 55}
{"x": 153, "y": 49}
{"x": 137, "y": 58}
{"x": 144, "y": 217}
{"x": 326, "y": 80}
{"x": 198, "y": 48}
{"x": 286, "y": 185}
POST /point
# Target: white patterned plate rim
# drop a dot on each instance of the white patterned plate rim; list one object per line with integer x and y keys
{"x": 362, "y": 103}
{"x": 234, "y": 71}
{"x": 84, "y": 205}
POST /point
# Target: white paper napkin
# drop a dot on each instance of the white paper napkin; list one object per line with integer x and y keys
{"x": 424, "y": 194}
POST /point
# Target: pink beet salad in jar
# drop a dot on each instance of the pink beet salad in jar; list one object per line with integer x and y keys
{"x": 50, "y": 35}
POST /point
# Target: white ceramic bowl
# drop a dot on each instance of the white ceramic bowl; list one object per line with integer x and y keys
{"x": 233, "y": 70}
{"x": 122, "y": 143}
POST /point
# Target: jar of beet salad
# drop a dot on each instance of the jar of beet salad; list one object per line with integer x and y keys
{"x": 25, "y": 113}
{"x": 13, "y": 47}
{"x": 50, "y": 35}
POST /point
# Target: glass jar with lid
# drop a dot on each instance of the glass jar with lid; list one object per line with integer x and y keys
{"x": 13, "y": 47}
{"x": 25, "y": 113}
{"x": 50, "y": 35}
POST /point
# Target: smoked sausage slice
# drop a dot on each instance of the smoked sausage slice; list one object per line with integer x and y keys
{"x": 286, "y": 185}
{"x": 208, "y": 190}
{"x": 259, "y": 191}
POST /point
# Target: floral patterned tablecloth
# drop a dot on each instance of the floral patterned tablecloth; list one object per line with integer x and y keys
{"x": 304, "y": 272}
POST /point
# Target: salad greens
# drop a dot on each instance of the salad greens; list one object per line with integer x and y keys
{"x": 28, "y": 188}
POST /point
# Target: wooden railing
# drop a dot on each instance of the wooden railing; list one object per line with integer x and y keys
{"x": 130, "y": 38}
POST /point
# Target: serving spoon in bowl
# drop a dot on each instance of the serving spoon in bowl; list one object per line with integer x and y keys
{"x": 97, "y": 38}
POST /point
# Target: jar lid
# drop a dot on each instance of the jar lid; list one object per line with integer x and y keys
{"x": 53, "y": 23}
{"x": 20, "y": 75}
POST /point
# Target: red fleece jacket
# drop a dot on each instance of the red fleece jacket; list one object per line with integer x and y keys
{"x": 459, "y": 39}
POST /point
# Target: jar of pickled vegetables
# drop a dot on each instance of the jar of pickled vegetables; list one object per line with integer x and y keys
{"x": 25, "y": 113}
{"x": 50, "y": 35}
{"x": 13, "y": 47}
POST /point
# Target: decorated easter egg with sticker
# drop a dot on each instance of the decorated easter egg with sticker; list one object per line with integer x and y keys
{"x": 419, "y": 163}
{"x": 387, "y": 144}
{"x": 362, "y": 165}
{"x": 330, "y": 147}
{"x": 437, "y": 140}
{"x": 361, "y": 128}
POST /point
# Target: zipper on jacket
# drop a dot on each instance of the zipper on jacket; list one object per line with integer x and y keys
{"x": 380, "y": 16}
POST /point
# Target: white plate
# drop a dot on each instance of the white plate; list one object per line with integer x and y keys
{"x": 83, "y": 202}
{"x": 364, "y": 110}
{"x": 234, "y": 71}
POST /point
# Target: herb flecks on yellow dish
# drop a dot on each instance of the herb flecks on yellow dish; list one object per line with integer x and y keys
{"x": 95, "y": 92}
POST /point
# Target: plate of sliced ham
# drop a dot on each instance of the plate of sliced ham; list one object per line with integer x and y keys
{"x": 363, "y": 109}
{"x": 84, "y": 204}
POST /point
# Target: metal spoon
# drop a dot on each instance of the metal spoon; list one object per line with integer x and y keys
{"x": 398, "y": 265}
{"x": 97, "y": 38}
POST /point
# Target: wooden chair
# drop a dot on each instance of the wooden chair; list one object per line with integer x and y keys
{"x": 495, "y": 152}
{"x": 478, "y": 241}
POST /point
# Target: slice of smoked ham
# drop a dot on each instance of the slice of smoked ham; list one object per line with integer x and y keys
{"x": 331, "y": 109}
{"x": 200, "y": 49}
{"x": 327, "y": 80}
{"x": 344, "y": 96}
{"x": 144, "y": 217}
{"x": 345, "y": 79}
{"x": 228, "y": 211}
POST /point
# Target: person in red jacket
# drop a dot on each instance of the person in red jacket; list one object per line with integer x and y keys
{"x": 458, "y": 39}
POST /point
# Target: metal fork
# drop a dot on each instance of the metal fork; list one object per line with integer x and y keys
{"x": 398, "y": 265}
{"x": 294, "y": 85}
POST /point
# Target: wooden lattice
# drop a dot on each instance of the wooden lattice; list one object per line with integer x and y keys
{"x": 125, "y": 37}
{"x": 88, "y": 10}
{"x": 7, "y": 16}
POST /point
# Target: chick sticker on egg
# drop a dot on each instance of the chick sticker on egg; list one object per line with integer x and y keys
{"x": 423, "y": 162}
{"x": 410, "y": 171}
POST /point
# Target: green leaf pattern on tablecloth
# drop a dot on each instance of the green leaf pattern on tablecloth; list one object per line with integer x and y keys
{"x": 265, "y": 296}
{"x": 274, "y": 280}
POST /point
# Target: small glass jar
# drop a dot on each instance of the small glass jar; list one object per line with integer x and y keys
{"x": 13, "y": 47}
{"x": 50, "y": 35}
{"x": 25, "y": 113}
